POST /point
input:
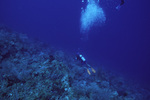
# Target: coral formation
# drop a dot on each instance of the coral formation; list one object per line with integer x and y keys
{"x": 30, "y": 70}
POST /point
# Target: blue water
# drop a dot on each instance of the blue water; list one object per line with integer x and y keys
{"x": 121, "y": 43}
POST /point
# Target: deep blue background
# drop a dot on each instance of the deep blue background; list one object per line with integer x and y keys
{"x": 122, "y": 44}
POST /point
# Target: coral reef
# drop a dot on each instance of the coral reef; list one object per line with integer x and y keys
{"x": 30, "y": 70}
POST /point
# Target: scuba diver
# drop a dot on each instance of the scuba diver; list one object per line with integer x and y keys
{"x": 80, "y": 58}
{"x": 119, "y": 6}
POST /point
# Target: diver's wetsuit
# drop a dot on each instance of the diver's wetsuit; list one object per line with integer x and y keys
{"x": 122, "y": 2}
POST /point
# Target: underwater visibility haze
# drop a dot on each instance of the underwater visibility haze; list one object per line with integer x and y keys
{"x": 66, "y": 45}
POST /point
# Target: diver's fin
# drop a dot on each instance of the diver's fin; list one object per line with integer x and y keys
{"x": 93, "y": 70}
{"x": 88, "y": 71}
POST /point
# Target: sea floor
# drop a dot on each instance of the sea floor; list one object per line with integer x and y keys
{"x": 31, "y": 70}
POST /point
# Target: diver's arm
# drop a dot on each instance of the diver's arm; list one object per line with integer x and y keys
{"x": 119, "y": 6}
